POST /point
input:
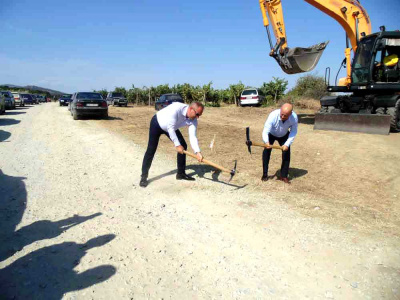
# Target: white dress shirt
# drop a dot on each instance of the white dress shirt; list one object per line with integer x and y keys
{"x": 173, "y": 117}
{"x": 275, "y": 126}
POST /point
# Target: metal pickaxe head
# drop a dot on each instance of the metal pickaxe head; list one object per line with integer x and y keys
{"x": 248, "y": 142}
{"x": 233, "y": 171}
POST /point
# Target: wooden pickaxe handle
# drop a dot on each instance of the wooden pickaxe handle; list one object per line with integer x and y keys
{"x": 265, "y": 146}
{"x": 208, "y": 162}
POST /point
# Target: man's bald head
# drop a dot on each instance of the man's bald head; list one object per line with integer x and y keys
{"x": 286, "y": 111}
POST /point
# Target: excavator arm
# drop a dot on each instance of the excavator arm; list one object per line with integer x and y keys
{"x": 350, "y": 15}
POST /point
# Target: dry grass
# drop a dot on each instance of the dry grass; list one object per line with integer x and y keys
{"x": 301, "y": 103}
{"x": 310, "y": 104}
{"x": 336, "y": 177}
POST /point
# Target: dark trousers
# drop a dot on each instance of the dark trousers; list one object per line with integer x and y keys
{"x": 154, "y": 136}
{"x": 285, "y": 155}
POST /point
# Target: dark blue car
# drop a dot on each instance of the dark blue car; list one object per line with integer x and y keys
{"x": 65, "y": 99}
{"x": 28, "y": 99}
{"x": 167, "y": 99}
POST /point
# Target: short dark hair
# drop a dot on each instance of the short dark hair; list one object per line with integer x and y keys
{"x": 198, "y": 104}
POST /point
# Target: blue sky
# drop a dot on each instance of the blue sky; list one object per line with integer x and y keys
{"x": 81, "y": 45}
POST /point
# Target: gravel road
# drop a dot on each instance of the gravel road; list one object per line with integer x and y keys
{"x": 76, "y": 225}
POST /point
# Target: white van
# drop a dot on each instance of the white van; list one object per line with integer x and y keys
{"x": 251, "y": 97}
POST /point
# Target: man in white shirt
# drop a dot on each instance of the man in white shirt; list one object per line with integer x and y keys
{"x": 281, "y": 126}
{"x": 168, "y": 121}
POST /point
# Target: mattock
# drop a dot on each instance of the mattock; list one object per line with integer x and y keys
{"x": 232, "y": 172}
{"x": 250, "y": 143}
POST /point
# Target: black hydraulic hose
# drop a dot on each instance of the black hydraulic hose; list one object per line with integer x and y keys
{"x": 341, "y": 65}
{"x": 269, "y": 37}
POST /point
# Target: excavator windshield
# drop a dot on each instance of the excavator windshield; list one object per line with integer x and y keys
{"x": 362, "y": 60}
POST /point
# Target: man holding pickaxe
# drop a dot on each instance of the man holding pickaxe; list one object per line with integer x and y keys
{"x": 281, "y": 126}
{"x": 168, "y": 121}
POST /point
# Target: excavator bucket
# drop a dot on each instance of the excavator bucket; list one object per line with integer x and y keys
{"x": 299, "y": 60}
{"x": 366, "y": 123}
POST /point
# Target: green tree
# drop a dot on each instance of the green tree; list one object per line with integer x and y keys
{"x": 162, "y": 89}
{"x": 197, "y": 94}
{"x": 121, "y": 90}
{"x": 235, "y": 91}
{"x": 309, "y": 86}
{"x": 274, "y": 89}
{"x": 206, "y": 89}
{"x": 103, "y": 92}
{"x": 132, "y": 94}
{"x": 185, "y": 90}
{"x": 150, "y": 94}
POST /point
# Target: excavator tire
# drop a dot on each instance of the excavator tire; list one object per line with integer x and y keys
{"x": 394, "y": 113}
{"x": 326, "y": 109}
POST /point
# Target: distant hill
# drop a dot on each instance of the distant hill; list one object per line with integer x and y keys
{"x": 32, "y": 88}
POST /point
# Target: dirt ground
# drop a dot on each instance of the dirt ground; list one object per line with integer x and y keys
{"x": 345, "y": 179}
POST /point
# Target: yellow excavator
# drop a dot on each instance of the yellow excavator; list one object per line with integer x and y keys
{"x": 368, "y": 98}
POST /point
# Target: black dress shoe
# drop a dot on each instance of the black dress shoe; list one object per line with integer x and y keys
{"x": 143, "y": 182}
{"x": 264, "y": 178}
{"x": 184, "y": 177}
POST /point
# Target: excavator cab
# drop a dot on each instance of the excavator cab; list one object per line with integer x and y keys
{"x": 379, "y": 55}
{"x": 371, "y": 102}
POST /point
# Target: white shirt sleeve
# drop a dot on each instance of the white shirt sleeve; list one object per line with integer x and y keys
{"x": 267, "y": 128}
{"x": 193, "y": 138}
{"x": 171, "y": 129}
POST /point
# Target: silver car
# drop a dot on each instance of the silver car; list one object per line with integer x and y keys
{"x": 18, "y": 99}
{"x": 251, "y": 97}
{"x": 116, "y": 99}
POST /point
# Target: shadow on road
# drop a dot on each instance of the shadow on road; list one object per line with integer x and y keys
{"x": 12, "y": 113}
{"x": 296, "y": 173}
{"x": 6, "y": 122}
{"x": 4, "y": 135}
{"x": 308, "y": 119}
{"x": 39, "y": 230}
{"x": 13, "y": 198}
{"x": 293, "y": 173}
{"x": 48, "y": 273}
{"x": 84, "y": 118}
{"x": 113, "y": 118}
{"x": 200, "y": 170}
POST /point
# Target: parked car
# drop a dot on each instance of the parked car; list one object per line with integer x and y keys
{"x": 116, "y": 99}
{"x": 251, "y": 97}
{"x": 17, "y": 98}
{"x": 65, "y": 99}
{"x": 88, "y": 103}
{"x": 9, "y": 99}
{"x": 2, "y": 104}
{"x": 27, "y": 98}
{"x": 41, "y": 98}
{"x": 35, "y": 99}
{"x": 167, "y": 99}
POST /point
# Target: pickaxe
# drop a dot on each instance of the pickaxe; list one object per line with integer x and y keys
{"x": 232, "y": 172}
{"x": 250, "y": 143}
